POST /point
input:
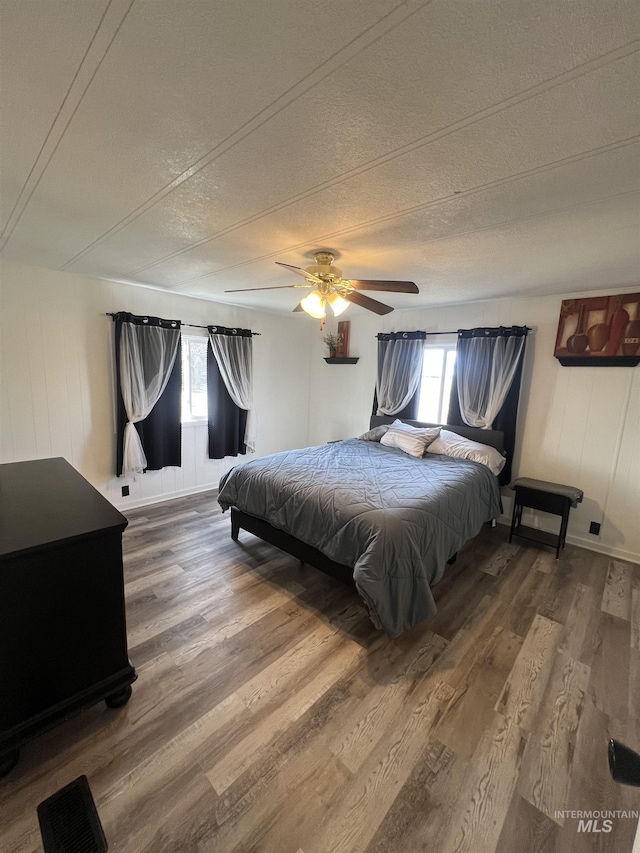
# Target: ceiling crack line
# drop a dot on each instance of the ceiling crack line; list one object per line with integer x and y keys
{"x": 116, "y": 11}
{"x": 554, "y": 82}
{"x": 55, "y": 118}
{"x": 514, "y": 221}
{"x": 474, "y": 118}
{"x": 537, "y": 170}
{"x": 341, "y": 57}
{"x": 359, "y": 170}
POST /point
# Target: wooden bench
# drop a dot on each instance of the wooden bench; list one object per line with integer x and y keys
{"x": 553, "y": 498}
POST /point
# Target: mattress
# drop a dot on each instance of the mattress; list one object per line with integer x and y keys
{"x": 395, "y": 519}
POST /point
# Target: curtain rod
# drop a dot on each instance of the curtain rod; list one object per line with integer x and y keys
{"x": 191, "y": 325}
{"x": 454, "y": 332}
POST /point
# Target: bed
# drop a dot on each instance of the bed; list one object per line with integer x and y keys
{"x": 370, "y": 514}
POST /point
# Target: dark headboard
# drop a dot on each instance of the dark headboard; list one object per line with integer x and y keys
{"x": 492, "y": 437}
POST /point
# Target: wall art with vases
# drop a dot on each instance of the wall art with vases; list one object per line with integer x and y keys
{"x": 600, "y": 331}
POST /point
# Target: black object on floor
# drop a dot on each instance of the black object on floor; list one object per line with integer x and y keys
{"x": 624, "y": 763}
{"x": 69, "y": 822}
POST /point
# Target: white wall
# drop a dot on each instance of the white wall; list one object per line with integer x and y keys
{"x": 577, "y": 425}
{"x": 57, "y": 386}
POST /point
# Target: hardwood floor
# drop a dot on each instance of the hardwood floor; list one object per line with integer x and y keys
{"x": 269, "y": 714}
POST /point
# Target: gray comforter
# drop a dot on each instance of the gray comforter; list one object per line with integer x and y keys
{"x": 394, "y": 518}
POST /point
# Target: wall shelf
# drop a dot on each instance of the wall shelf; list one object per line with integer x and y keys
{"x": 599, "y": 360}
{"x": 341, "y": 360}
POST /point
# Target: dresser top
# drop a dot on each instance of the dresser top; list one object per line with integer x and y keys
{"x": 46, "y": 501}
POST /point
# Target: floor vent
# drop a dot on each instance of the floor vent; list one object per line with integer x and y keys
{"x": 69, "y": 822}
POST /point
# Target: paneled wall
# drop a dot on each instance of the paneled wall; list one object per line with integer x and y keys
{"x": 57, "y": 381}
{"x": 579, "y": 426}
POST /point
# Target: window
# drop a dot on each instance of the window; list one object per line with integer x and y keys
{"x": 194, "y": 378}
{"x": 435, "y": 386}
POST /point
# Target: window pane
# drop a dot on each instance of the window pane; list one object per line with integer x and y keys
{"x": 446, "y": 384}
{"x": 194, "y": 378}
{"x": 199, "y": 366}
{"x": 435, "y": 387}
{"x": 432, "y": 365}
{"x": 186, "y": 407}
{"x": 198, "y": 377}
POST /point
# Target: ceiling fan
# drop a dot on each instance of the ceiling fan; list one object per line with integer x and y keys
{"x": 327, "y": 286}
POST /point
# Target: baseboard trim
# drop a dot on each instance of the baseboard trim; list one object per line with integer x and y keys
{"x": 123, "y": 504}
{"x": 588, "y": 545}
{"x": 618, "y": 553}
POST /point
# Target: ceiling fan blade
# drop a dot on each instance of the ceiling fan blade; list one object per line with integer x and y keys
{"x": 298, "y": 308}
{"x": 303, "y": 273}
{"x": 388, "y": 286}
{"x": 279, "y": 287}
{"x": 368, "y": 303}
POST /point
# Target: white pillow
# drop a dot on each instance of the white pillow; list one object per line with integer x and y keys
{"x": 452, "y": 444}
{"x": 410, "y": 439}
{"x": 428, "y": 431}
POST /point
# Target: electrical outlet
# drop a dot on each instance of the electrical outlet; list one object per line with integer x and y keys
{"x": 125, "y": 491}
{"x": 594, "y": 528}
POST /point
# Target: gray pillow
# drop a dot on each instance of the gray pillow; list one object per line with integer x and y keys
{"x": 374, "y": 434}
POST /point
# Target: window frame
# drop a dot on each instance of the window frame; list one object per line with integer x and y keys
{"x": 186, "y": 340}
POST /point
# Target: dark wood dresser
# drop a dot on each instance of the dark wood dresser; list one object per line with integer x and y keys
{"x": 63, "y": 639}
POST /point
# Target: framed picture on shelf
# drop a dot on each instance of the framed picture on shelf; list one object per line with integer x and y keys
{"x": 599, "y": 331}
{"x": 343, "y": 335}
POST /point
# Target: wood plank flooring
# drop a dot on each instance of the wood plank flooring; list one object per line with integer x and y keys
{"x": 270, "y": 716}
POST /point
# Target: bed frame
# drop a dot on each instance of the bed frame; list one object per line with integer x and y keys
{"x": 289, "y": 544}
{"x": 311, "y": 556}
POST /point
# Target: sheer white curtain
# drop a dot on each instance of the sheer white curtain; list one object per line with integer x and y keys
{"x": 490, "y": 364}
{"x": 147, "y": 356}
{"x": 234, "y": 355}
{"x": 399, "y": 371}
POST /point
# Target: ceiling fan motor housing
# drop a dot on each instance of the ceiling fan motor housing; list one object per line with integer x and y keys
{"x": 323, "y": 268}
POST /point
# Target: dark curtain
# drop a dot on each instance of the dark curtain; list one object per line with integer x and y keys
{"x": 161, "y": 431}
{"x": 506, "y": 419}
{"x": 410, "y": 411}
{"x": 227, "y": 422}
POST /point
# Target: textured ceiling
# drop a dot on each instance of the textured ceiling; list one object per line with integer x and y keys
{"x": 482, "y": 148}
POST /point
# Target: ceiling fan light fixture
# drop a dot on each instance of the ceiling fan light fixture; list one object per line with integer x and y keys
{"x": 314, "y": 305}
{"x": 338, "y": 304}
{"x": 329, "y": 286}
